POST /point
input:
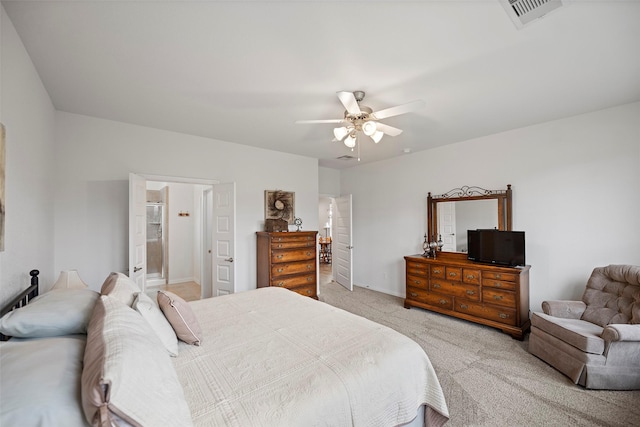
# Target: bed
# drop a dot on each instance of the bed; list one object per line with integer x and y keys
{"x": 266, "y": 357}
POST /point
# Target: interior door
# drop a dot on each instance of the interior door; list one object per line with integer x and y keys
{"x": 447, "y": 226}
{"x": 138, "y": 229}
{"x": 224, "y": 232}
{"x": 342, "y": 246}
{"x": 206, "y": 275}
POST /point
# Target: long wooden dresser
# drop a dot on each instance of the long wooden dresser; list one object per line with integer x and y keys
{"x": 288, "y": 260}
{"x": 490, "y": 295}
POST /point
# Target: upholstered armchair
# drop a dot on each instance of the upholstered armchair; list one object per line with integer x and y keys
{"x": 596, "y": 341}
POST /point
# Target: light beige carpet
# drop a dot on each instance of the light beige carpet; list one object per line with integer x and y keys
{"x": 488, "y": 378}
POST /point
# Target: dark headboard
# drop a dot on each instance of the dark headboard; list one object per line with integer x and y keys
{"x": 22, "y": 299}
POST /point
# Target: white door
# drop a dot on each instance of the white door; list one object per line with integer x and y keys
{"x": 341, "y": 245}
{"x": 206, "y": 275}
{"x": 138, "y": 229}
{"x": 224, "y": 232}
{"x": 447, "y": 226}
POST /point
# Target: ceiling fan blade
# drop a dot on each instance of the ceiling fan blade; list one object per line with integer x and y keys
{"x": 319, "y": 121}
{"x": 389, "y": 130}
{"x": 397, "y": 110}
{"x": 349, "y": 102}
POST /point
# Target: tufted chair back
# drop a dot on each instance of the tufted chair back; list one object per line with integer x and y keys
{"x": 613, "y": 295}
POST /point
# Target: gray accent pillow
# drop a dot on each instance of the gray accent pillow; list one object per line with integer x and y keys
{"x": 40, "y": 381}
{"x": 55, "y": 313}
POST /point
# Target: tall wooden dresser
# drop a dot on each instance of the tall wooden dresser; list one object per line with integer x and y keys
{"x": 491, "y": 295}
{"x": 288, "y": 260}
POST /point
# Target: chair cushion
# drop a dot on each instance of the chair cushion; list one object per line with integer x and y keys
{"x": 583, "y": 335}
{"x": 613, "y": 295}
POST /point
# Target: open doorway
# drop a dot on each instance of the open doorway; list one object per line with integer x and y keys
{"x": 198, "y": 234}
{"x": 325, "y": 225}
{"x": 175, "y": 238}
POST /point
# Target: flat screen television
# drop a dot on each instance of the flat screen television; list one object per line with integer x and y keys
{"x": 496, "y": 247}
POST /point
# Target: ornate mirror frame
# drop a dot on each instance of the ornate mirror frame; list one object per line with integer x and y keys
{"x": 467, "y": 193}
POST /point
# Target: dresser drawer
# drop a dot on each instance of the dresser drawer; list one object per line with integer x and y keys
{"x": 295, "y": 238}
{"x": 453, "y": 273}
{"x": 307, "y": 291}
{"x": 282, "y": 269}
{"x": 499, "y": 297}
{"x": 437, "y": 271}
{"x": 431, "y": 298}
{"x": 417, "y": 282}
{"x": 294, "y": 281}
{"x": 457, "y": 289}
{"x": 416, "y": 269}
{"x": 509, "y": 277}
{"x": 486, "y": 311}
{"x": 471, "y": 276}
{"x": 293, "y": 255}
{"x": 292, "y": 244}
{"x": 500, "y": 284}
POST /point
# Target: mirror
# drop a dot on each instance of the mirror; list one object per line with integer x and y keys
{"x": 451, "y": 214}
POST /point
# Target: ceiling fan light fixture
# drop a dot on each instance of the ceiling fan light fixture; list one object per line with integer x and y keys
{"x": 377, "y": 136}
{"x": 369, "y": 128}
{"x": 340, "y": 133}
{"x": 350, "y": 141}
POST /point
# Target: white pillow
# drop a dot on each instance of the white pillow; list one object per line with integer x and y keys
{"x": 127, "y": 372}
{"x": 121, "y": 287}
{"x": 152, "y": 314}
{"x": 40, "y": 381}
{"x": 55, "y": 313}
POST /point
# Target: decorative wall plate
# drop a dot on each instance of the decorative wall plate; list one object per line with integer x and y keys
{"x": 279, "y": 205}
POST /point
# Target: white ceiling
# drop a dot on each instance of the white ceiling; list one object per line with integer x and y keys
{"x": 245, "y": 71}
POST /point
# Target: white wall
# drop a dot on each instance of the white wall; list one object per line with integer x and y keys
{"x": 575, "y": 184}
{"x": 329, "y": 184}
{"x": 28, "y": 116}
{"x": 95, "y": 156}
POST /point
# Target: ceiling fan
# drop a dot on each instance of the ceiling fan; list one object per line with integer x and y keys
{"x": 359, "y": 118}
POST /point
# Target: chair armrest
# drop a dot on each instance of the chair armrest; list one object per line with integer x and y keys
{"x": 564, "y": 309}
{"x": 621, "y": 332}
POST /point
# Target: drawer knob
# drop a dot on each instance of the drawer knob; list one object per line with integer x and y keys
{"x": 417, "y": 282}
{"x": 436, "y": 271}
{"x": 279, "y": 239}
{"x": 464, "y": 306}
{"x": 437, "y": 285}
{"x": 471, "y": 292}
{"x": 309, "y": 279}
{"x": 309, "y": 266}
{"x": 471, "y": 276}
{"x": 413, "y": 294}
{"x": 453, "y": 274}
{"x": 498, "y": 285}
{"x": 279, "y": 256}
{"x": 280, "y": 245}
{"x": 498, "y": 276}
{"x": 280, "y": 270}
{"x": 309, "y": 253}
{"x": 280, "y": 284}
{"x": 503, "y": 316}
{"x": 308, "y": 292}
{"x": 497, "y": 297}
{"x": 443, "y": 301}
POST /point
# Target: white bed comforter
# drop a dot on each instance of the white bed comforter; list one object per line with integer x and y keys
{"x": 271, "y": 357}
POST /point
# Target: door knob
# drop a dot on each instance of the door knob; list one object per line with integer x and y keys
{"x": 229, "y": 259}
{"x": 136, "y": 269}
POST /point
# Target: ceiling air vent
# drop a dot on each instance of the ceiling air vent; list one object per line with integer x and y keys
{"x": 345, "y": 157}
{"x": 522, "y": 12}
